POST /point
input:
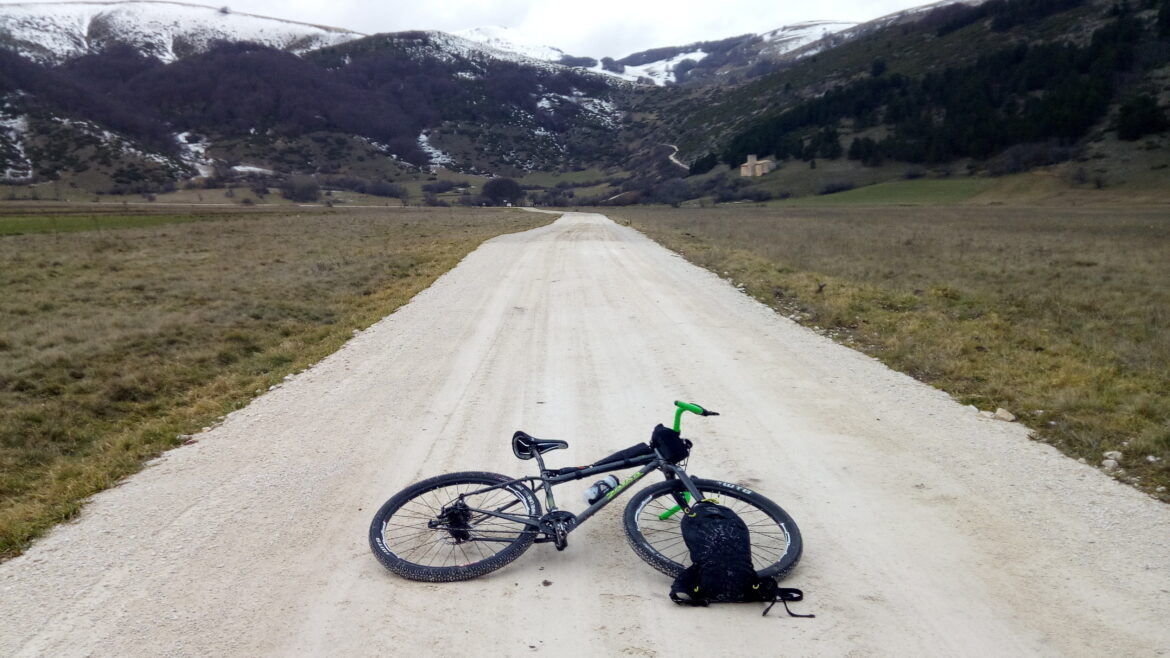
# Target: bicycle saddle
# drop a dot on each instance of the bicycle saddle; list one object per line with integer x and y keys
{"x": 524, "y": 445}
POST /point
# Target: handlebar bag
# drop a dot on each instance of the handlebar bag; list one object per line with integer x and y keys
{"x": 669, "y": 444}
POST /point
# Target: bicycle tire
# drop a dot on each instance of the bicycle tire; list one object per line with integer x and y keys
{"x": 403, "y": 540}
{"x": 776, "y": 542}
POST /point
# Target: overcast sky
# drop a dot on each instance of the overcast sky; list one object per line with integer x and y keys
{"x": 596, "y": 28}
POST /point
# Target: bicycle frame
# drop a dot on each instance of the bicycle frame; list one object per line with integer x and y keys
{"x": 548, "y": 480}
{"x": 556, "y": 524}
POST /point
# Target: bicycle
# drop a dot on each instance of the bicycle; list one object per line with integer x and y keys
{"x": 463, "y": 525}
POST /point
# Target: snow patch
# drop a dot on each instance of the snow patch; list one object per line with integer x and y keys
{"x": 659, "y": 73}
{"x": 195, "y": 154}
{"x": 791, "y": 37}
{"x": 603, "y": 111}
{"x": 18, "y": 167}
{"x": 249, "y": 169}
{"x": 436, "y": 156}
{"x": 116, "y": 142}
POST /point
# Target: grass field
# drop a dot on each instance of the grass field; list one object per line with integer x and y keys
{"x": 931, "y": 192}
{"x": 119, "y": 333}
{"x": 66, "y": 218}
{"x": 1061, "y": 316}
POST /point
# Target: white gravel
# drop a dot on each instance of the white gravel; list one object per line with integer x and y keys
{"x": 929, "y": 530}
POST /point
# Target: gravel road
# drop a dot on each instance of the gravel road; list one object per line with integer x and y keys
{"x": 929, "y": 531}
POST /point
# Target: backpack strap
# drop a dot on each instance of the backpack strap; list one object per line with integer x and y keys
{"x": 685, "y": 589}
{"x": 699, "y": 602}
{"x": 784, "y": 595}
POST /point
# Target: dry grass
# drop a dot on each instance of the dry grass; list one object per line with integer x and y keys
{"x": 116, "y": 341}
{"x": 1059, "y": 315}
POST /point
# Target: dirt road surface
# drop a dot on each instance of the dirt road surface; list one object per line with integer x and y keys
{"x": 929, "y": 531}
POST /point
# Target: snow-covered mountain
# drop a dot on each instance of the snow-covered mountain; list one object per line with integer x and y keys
{"x": 53, "y": 32}
{"x": 675, "y": 64}
{"x": 793, "y": 37}
{"x": 508, "y": 40}
{"x": 659, "y": 66}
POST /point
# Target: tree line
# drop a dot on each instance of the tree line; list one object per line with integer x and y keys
{"x": 1024, "y": 93}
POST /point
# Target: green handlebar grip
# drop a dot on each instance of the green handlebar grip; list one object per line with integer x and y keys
{"x": 685, "y": 406}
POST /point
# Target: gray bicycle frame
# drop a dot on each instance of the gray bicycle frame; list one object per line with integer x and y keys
{"x": 649, "y": 465}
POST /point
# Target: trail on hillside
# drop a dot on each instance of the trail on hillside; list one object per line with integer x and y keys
{"x": 928, "y": 529}
{"x": 674, "y": 157}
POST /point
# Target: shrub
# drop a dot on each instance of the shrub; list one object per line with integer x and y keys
{"x": 704, "y": 164}
{"x": 301, "y": 188}
{"x": 440, "y": 186}
{"x": 584, "y": 62}
{"x": 673, "y": 191}
{"x": 1140, "y": 116}
{"x": 500, "y": 191}
{"x": 1023, "y": 157}
{"x": 835, "y": 187}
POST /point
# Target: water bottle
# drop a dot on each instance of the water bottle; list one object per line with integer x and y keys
{"x": 600, "y": 488}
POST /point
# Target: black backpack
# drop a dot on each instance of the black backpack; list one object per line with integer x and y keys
{"x": 721, "y": 569}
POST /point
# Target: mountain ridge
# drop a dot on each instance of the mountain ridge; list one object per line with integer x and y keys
{"x": 393, "y": 107}
{"x": 55, "y": 32}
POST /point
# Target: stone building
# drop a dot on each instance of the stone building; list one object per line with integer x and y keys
{"x": 754, "y": 167}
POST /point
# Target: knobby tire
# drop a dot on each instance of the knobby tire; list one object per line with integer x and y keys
{"x": 776, "y": 542}
{"x": 405, "y": 543}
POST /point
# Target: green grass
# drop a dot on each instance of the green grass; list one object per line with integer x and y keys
{"x": 115, "y": 342}
{"x": 65, "y": 221}
{"x": 550, "y": 179}
{"x": 1059, "y": 315}
{"x": 920, "y": 192}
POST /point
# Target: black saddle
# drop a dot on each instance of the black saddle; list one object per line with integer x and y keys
{"x": 525, "y": 446}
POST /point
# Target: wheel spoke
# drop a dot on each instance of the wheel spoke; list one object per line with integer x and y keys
{"x": 429, "y": 531}
{"x": 662, "y": 543}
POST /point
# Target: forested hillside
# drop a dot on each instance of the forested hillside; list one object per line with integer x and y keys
{"x": 1023, "y": 93}
{"x": 998, "y": 87}
{"x": 396, "y": 92}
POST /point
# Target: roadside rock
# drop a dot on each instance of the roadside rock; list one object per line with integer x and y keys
{"x": 1113, "y": 454}
{"x": 1109, "y": 464}
{"x": 1004, "y": 415}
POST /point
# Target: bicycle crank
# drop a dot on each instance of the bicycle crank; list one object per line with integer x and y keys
{"x": 558, "y": 524}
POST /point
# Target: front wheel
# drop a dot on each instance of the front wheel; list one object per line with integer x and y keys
{"x": 652, "y": 522}
{"x": 438, "y": 530}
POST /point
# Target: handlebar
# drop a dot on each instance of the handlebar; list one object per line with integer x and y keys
{"x": 693, "y": 408}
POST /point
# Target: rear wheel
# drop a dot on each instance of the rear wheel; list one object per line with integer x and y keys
{"x": 652, "y": 521}
{"x": 437, "y": 531}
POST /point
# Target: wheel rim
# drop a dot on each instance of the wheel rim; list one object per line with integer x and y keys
{"x": 418, "y": 531}
{"x": 770, "y": 539}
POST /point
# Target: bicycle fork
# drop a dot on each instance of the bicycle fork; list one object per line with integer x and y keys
{"x": 684, "y": 499}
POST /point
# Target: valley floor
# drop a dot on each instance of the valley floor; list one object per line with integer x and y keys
{"x": 928, "y": 529}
